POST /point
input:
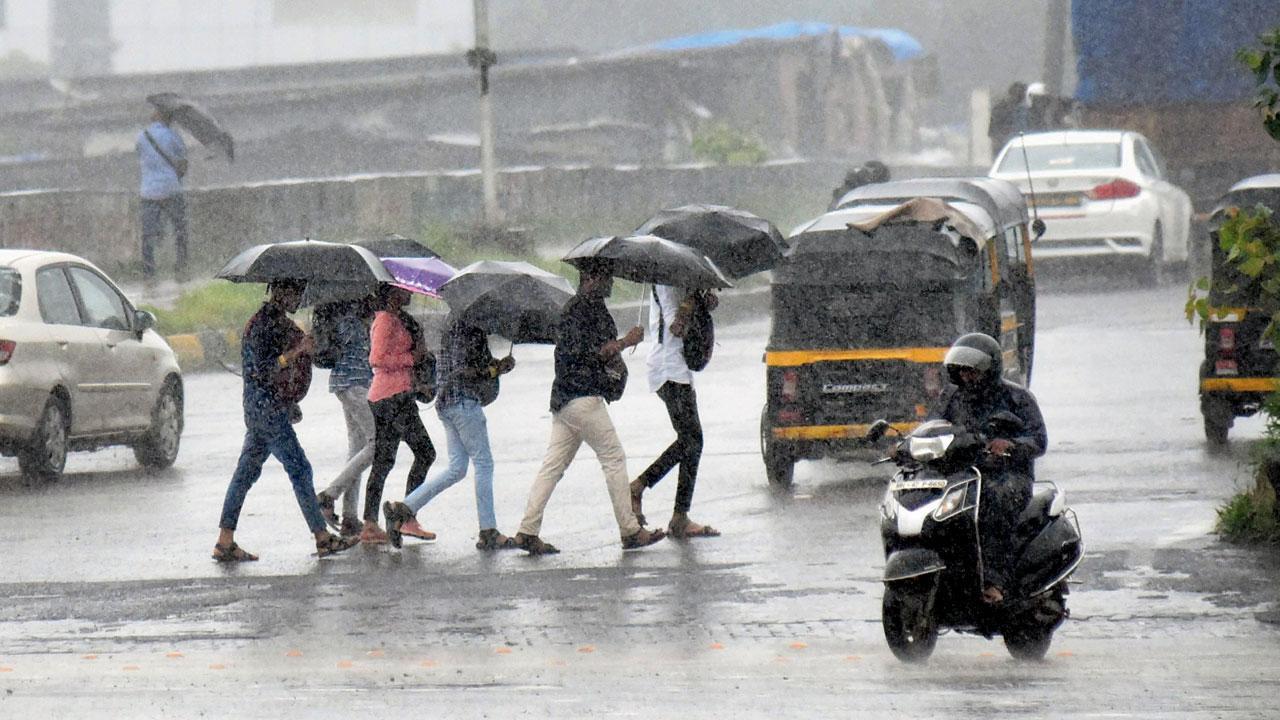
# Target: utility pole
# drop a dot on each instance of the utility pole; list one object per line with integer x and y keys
{"x": 482, "y": 58}
{"x": 1055, "y": 46}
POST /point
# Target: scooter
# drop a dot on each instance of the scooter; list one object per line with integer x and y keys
{"x": 933, "y": 576}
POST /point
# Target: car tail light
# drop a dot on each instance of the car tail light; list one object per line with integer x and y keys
{"x": 790, "y": 385}
{"x": 1226, "y": 340}
{"x": 932, "y": 382}
{"x": 790, "y": 415}
{"x": 1114, "y": 190}
{"x": 6, "y": 350}
{"x": 1226, "y": 367}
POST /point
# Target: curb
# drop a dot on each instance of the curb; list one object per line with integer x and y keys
{"x": 203, "y": 350}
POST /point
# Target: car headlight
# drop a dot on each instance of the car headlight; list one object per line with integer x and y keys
{"x": 952, "y": 502}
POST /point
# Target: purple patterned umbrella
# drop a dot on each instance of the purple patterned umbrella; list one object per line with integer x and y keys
{"x": 422, "y": 275}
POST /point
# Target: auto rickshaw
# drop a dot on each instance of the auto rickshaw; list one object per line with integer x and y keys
{"x": 1240, "y": 363}
{"x": 870, "y": 298}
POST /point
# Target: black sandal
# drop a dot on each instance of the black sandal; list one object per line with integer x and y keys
{"x": 232, "y": 553}
{"x": 334, "y": 544}
{"x": 491, "y": 539}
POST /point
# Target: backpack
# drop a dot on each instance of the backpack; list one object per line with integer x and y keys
{"x": 424, "y": 370}
{"x": 699, "y": 335}
{"x": 324, "y": 329}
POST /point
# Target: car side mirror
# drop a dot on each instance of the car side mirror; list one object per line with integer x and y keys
{"x": 1037, "y": 228}
{"x": 143, "y": 321}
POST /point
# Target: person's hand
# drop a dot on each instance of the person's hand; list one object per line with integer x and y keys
{"x": 506, "y": 364}
{"x": 1000, "y": 447}
{"x": 633, "y": 336}
{"x": 712, "y": 300}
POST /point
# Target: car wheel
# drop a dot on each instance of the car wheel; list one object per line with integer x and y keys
{"x": 159, "y": 448}
{"x": 46, "y": 456}
{"x": 1153, "y": 273}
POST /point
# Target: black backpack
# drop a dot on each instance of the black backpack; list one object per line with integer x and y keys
{"x": 324, "y": 329}
{"x": 699, "y": 335}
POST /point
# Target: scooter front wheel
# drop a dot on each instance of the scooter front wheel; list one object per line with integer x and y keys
{"x": 910, "y": 625}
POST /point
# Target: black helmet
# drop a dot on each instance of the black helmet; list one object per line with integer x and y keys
{"x": 976, "y": 351}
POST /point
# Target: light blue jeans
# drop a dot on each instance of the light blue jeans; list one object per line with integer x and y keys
{"x": 467, "y": 434}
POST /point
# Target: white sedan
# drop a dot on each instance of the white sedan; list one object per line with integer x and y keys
{"x": 1101, "y": 193}
{"x": 80, "y": 368}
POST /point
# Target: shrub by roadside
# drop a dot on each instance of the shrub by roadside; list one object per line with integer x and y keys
{"x": 218, "y": 305}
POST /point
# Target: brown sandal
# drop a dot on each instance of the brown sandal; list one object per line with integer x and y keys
{"x": 232, "y": 553}
{"x": 534, "y": 545}
{"x": 491, "y": 539}
{"x": 682, "y": 529}
{"x": 642, "y": 538}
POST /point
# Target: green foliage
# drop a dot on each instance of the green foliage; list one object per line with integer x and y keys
{"x": 1264, "y": 62}
{"x": 16, "y": 65}
{"x": 726, "y": 145}
{"x": 219, "y": 306}
{"x": 1250, "y": 240}
{"x": 1249, "y": 517}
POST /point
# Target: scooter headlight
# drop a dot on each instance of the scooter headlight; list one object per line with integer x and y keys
{"x": 952, "y": 502}
{"x": 925, "y": 449}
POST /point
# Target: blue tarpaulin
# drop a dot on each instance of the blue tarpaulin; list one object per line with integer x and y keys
{"x": 1144, "y": 52}
{"x": 901, "y": 44}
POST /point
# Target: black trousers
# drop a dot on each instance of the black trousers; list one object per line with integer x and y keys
{"x": 1004, "y": 496}
{"x": 686, "y": 451}
{"x": 394, "y": 419}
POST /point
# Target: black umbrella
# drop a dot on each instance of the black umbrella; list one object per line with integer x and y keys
{"x": 738, "y": 242}
{"x": 393, "y": 245}
{"x": 196, "y": 120}
{"x": 650, "y": 259}
{"x": 307, "y": 260}
{"x": 516, "y": 300}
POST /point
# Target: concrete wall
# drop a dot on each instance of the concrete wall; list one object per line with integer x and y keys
{"x": 556, "y": 205}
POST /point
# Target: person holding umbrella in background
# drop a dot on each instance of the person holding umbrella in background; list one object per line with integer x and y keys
{"x": 162, "y": 159}
{"x": 395, "y": 348}
{"x": 273, "y": 347}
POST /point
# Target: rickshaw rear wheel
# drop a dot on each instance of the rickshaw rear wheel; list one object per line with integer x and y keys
{"x": 1218, "y": 418}
{"x": 779, "y": 465}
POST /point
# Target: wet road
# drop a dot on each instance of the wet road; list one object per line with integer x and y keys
{"x": 114, "y": 610}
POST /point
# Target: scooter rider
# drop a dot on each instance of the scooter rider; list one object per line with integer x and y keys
{"x": 978, "y": 392}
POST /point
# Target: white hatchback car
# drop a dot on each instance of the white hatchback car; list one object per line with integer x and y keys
{"x": 80, "y": 368}
{"x": 1100, "y": 193}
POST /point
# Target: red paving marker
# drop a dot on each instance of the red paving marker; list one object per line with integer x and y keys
{"x": 798, "y": 646}
{"x": 88, "y": 657}
{"x": 504, "y": 650}
{"x": 716, "y": 646}
{"x": 587, "y": 649}
{"x": 345, "y": 664}
{"x": 293, "y": 653}
{"x": 174, "y": 655}
{"x": 376, "y": 653}
{"x": 852, "y": 658}
{"x": 1066, "y": 653}
{"x": 131, "y": 668}
{"x": 217, "y": 666}
{"x": 5, "y": 668}
{"x": 428, "y": 663}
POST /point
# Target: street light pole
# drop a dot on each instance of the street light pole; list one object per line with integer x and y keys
{"x": 482, "y": 58}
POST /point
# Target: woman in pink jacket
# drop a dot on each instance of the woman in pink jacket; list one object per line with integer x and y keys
{"x": 395, "y": 346}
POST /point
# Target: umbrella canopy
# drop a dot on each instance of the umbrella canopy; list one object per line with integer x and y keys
{"x": 651, "y": 259}
{"x": 738, "y": 242}
{"x": 195, "y": 120}
{"x": 394, "y": 245}
{"x": 308, "y": 260}
{"x": 422, "y": 275}
{"x": 516, "y": 300}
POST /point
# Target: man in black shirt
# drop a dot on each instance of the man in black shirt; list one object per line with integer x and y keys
{"x": 589, "y": 370}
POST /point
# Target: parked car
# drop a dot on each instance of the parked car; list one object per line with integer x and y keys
{"x": 1101, "y": 193}
{"x": 80, "y": 367}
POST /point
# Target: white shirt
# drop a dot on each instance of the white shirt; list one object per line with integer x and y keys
{"x": 666, "y": 358}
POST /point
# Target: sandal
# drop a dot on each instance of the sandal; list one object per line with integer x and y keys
{"x": 491, "y": 539}
{"x": 232, "y": 553}
{"x": 683, "y": 529}
{"x": 411, "y": 528}
{"x": 397, "y": 514}
{"x": 637, "y": 501}
{"x": 534, "y": 545}
{"x": 642, "y": 538}
{"x": 334, "y": 544}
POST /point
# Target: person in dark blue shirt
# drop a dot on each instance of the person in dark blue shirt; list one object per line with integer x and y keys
{"x": 272, "y": 349}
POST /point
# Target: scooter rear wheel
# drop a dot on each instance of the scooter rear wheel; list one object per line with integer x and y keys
{"x": 906, "y": 613}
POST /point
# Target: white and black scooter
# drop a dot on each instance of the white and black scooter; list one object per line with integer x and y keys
{"x": 933, "y": 576}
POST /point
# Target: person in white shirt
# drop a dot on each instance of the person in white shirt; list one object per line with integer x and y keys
{"x": 671, "y": 379}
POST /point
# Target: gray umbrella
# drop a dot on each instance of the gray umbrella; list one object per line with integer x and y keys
{"x": 516, "y": 300}
{"x": 308, "y": 260}
{"x": 393, "y": 245}
{"x": 195, "y": 120}
{"x": 738, "y": 242}
{"x": 650, "y": 259}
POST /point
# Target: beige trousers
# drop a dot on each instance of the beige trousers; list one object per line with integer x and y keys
{"x": 584, "y": 419}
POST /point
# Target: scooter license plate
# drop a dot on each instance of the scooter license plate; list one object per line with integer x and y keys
{"x": 918, "y": 485}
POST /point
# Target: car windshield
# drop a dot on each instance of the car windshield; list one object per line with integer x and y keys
{"x": 10, "y": 291}
{"x": 1070, "y": 156}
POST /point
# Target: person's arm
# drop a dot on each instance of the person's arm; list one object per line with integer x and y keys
{"x": 633, "y": 337}
{"x": 179, "y": 153}
{"x": 1034, "y": 439}
{"x": 381, "y": 355}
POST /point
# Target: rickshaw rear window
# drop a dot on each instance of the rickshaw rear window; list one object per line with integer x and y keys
{"x": 863, "y": 316}
{"x": 1070, "y": 156}
{"x": 10, "y": 291}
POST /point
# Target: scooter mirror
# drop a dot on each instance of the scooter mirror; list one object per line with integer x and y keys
{"x": 877, "y": 430}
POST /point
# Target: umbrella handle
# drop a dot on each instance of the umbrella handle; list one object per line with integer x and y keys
{"x": 640, "y": 314}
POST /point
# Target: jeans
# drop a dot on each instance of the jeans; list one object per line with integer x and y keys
{"x": 582, "y": 419}
{"x": 154, "y": 214}
{"x": 269, "y": 433}
{"x": 682, "y": 408}
{"x": 360, "y": 434}
{"x": 466, "y": 432}
{"x": 394, "y": 419}
{"x": 1004, "y": 496}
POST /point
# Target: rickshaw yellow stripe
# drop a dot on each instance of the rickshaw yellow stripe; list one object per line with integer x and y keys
{"x": 1239, "y": 384}
{"x": 834, "y": 432}
{"x": 791, "y": 358}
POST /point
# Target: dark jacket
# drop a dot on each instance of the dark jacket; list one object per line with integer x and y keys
{"x": 585, "y": 326}
{"x": 268, "y": 334}
{"x": 974, "y": 410}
